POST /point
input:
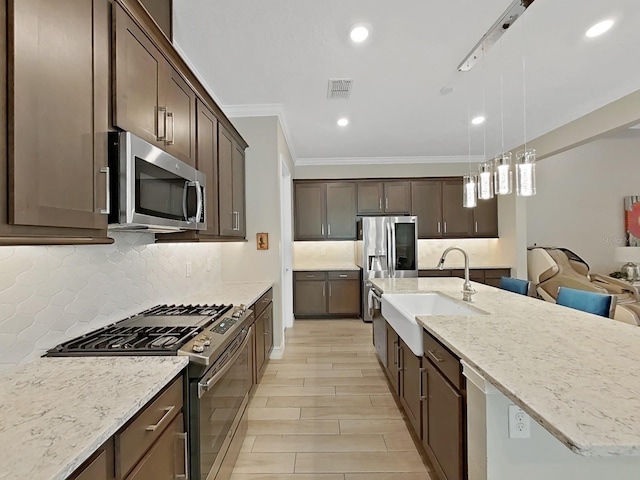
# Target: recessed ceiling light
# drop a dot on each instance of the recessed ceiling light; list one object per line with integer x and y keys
{"x": 478, "y": 120}
{"x": 343, "y": 122}
{"x": 599, "y": 28}
{"x": 359, "y": 32}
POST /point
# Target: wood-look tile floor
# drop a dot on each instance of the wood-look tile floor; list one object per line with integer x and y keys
{"x": 325, "y": 412}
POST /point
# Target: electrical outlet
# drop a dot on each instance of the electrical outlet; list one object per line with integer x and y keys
{"x": 187, "y": 270}
{"x": 209, "y": 264}
{"x": 519, "y": 423}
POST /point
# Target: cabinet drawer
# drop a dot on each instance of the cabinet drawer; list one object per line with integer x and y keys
{"x": 301, "y": 276}
{"x": 497, "y": 272}
{"x": 344, "y": 275}
{"x": 262, "y": 303}
{"x": 443, "y": 359}
{"x": 139, "y": 435}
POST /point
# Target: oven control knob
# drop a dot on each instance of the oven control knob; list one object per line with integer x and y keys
{"x": 206, "y": 343}
{"x": 198, "y": 347}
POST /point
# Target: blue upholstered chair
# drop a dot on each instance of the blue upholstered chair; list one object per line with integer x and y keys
{"x": 515, "y": 285}
{"x": 592, "y": 302}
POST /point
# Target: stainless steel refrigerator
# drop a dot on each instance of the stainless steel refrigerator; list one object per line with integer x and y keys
{"x": 387, "y": 247}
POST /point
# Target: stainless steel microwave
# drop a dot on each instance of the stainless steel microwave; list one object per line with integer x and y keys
{"x": 151, "y": 190}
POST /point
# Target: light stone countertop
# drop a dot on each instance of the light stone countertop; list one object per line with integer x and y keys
{"x": 231, "y": 292}
{"x": 310, "y": 267}
{"x": 576, "y": 374}
{"x": 56, "y": 412}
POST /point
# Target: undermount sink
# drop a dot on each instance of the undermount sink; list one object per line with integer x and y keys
{"x": 401, "y": 309}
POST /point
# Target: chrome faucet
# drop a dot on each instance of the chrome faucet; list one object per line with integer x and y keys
{"x": 467, "y": 289}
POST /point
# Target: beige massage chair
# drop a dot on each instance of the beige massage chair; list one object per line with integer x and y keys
{"x": 550, "y": 268}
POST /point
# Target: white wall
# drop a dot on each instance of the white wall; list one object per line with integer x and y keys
{"x": 579, "y": 201}
{"x": 52, "y": 294}
{"x": 242, "y": 260}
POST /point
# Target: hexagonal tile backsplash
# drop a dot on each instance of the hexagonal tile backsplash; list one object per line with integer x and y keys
{"x": 52, "y": 294}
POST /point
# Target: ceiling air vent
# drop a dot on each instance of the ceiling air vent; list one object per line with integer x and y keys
{"x": 339, "y": 88}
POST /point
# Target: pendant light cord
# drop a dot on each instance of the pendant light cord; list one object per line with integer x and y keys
{"x": 524, "y": 87}
{"x": 502, "y": 95}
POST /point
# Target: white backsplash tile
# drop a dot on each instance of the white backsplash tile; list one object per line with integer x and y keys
{"x": 51, "y": 294}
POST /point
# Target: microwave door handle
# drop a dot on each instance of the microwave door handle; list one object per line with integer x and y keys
{"x": 184, "y": 201}
{"x": 200, "y": 201}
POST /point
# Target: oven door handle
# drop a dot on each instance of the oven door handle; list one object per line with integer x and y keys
{"x": 204, "y": 387}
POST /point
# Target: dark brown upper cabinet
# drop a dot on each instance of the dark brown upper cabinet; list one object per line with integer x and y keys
{"x": 485, "y": 218}
{"x": 375, "y": 198}
{"x": 54, "y": 122}
{"x": 152, "y": 100}
{"x": 325, "y": 211}
{"x": 231, "y": 193}
{"x": 456, "y": 219}
{"x": 426, "y": 204}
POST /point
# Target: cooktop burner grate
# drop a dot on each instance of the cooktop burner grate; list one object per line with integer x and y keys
{"x": 216, "y": 310}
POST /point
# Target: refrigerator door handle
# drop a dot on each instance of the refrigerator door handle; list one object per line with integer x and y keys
{"x": 393, "y": 246}
{"x": 389, "y": 254}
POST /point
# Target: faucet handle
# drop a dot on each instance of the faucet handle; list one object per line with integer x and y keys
{"x": 467, "y": 294}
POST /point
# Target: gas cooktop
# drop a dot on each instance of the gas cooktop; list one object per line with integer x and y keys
{"x": 161, "y": 330}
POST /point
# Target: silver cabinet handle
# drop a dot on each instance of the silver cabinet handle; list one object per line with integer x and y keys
{"x": 395, "y": 352}
{"x": 170, "y": 130}
{"x": 438, "y": 227}
{"x": 236, "y": 221}
{"x": 329, "y": 289}
{"x": 107, "y": 210}
{"x": 420, "y": 392}
{"x": 323, "y": 290}
{"x": 343, "y": 275}
{"x": 380, "y": 204}
{"x": 311, "y": 276}
{"x": 322, "y": 229}
{"x": 162, "y": 124}
{"x": 400, "y": 355}
{"x": 445, "y": 227}
{"x": 435, "y": 357}
{"x": 184, "y": 476}
{"x": 476, "y": 227}
{"x": 167, "y": 412}
{"x": 329, "y": 229}
{"x": 386, "y": 204}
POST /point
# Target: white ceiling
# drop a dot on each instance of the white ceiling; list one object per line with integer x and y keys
{"x": 276, "y": 56}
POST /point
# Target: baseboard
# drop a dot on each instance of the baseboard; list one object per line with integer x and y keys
{"x": 277, "y": 353}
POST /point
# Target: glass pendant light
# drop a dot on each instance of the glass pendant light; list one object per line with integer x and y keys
{"x": 485, "y": 181}
{"x": 469, "y": 191}
{"x": 503, "y": 177}
{"x": 526, "y": 173}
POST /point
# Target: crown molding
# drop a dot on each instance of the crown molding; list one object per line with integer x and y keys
{"x": 264, "y": 110}
{"x": 389, "y": 160}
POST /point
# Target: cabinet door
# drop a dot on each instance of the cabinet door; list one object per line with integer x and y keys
{"x": 443, "y": 433}
{"x": 426, "y": 204}
{"x": 207, "y": 156}
{"x": 58, "y": 113}
{"x": 238, "y": 196}
{"x": 96, "y": 470}
{"x": 456, "y": 219}
{"x": 138, "y": 67}
{"x": 370, "y": 198}
{"x": 225, "y": 182}
{"x": 180, "y": 103}
{"x": 344, "y": 297}
{"x": 392, "y": 357}
{"x": 259, "y": 353}
{"x": 341, "y": 211}
{"x": 309, "y": 297}
{"x": 310, "y": 211}
{"x": 485, "y": 217}
{"x": 166, "y": 458}
{"x": 268, "y": 331}
{"x": 397, "y": 197}
{"x": 410, "y": 386}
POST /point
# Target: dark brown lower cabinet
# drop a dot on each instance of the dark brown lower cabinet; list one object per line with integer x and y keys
{"x": 263, "y": 338}
{"x": 392, "y": 369}
{"x": 165, "y": 460}
{"x": 443, "y": 410}
{"x": 488, "y": 276}
{"x": 409, "y": 385}
{"x": 326, "y": 294}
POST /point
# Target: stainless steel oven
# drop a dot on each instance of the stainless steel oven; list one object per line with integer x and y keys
{"x": 217, "y": 403}
{"x": 152, "y": 190}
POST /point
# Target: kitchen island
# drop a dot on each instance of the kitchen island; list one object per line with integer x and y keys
{"x": 574, "y": 373}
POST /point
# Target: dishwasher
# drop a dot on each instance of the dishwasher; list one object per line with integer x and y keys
{"x": 379, "y": 327}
